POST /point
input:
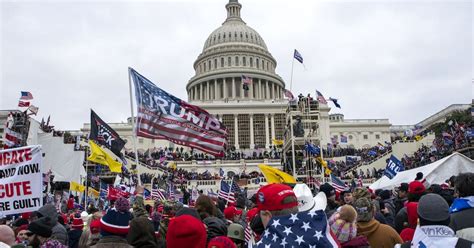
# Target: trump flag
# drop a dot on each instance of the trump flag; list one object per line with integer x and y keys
{"x": 164, "y": 116}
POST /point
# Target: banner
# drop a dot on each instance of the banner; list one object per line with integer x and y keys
{"x": 274, "y": 175}
{"x": 73, "y": 186}
{"x": 104, "y": 135}
{"x": 393, "y": 167}
{"x": 21, "y": 180}
{"x": 161, "y": 115}
{"x": 99, "y": 156}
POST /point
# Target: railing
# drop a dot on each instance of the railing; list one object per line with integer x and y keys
{"x": 144, "y": 165}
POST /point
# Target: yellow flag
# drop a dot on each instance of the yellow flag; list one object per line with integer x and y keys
{"x": 418, "y": 137}
{"x": 92, "y": 192}
{"x": 99, "y": 156}
{"x": 73, "y": 186}
{"x": 277, "y": 142}
{"x": 274, "y": 175}
{"x": 327, "y": 171}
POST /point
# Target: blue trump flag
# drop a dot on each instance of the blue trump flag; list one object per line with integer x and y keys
{"x": 393, "y": 167}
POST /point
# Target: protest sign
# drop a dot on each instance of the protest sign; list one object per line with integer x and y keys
{"x": 21, "y": 179}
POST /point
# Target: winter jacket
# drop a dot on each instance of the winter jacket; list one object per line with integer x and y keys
{"x": 112, "y": 242}
{"x": 357, "y": 242}
{"x": 52, "y": 243}
{"x": 399, "y": 204}
{"x": 74, "y": 236}
{"x": 462, "y": 223}
{"x": 142, "y": 231}
{"x": 401, "y": 220}
{"x": 379, "y": 235}
{"x": 59, "y": 232}
{"x": 390, "y": 216}
{"x": 215, "y": 227}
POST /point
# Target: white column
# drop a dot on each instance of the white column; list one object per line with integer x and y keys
{"x": 267, "y": 133}
{"x": 252, "y": 140}
{"x": 224, "y": 87}
{"x": 251, "y": 90}
{"x": 267, "y": 90}
{"x": 260, "y": 89}
{"x": 274, "y": 91}
{"x": 233, "y": 88}
{"x": 216, "y": 93}
{"x": 272, "y": 122}
{"x": 236, "y": 131}
{"x": 200, "y": 92}
{"x": 208, "y": 91}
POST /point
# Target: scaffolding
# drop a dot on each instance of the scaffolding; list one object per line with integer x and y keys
{"x": 302, "y": 127}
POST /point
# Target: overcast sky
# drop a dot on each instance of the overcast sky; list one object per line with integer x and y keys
{"x": 402, "y": 60}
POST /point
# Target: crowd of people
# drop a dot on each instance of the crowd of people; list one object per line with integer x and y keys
{"x": 413, "y": 215}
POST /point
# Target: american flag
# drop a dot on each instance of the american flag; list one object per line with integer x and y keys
{"x": 303, "y": 229}
{"x": 23, "y": 104}
{"x": 164, "y": 116}
{"x": 298, "y": 56}
{"x": 248, "y": 233}
{"x": 225, "y": 192}
{"x": 337, "y": 183}
{"x": 26, "y": 95}
{"x": 12, "y": 139}
{"x": 156, "y": 194}
{"x": 320, "y": 97}
{"x": 288, "y": 94}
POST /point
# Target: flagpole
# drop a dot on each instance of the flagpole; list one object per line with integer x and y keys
{"x": 291, "y": 77}
{"x": 134, "y": 139}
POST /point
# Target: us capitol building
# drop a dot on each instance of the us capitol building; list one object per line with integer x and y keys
{"x": 255, "y": 116}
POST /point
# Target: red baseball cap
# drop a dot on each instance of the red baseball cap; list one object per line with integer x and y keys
{"x": 416, "y": 187}
{"x": 270, "y": 197}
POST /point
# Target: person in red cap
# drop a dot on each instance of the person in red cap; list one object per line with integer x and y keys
{"x": 75, "y": 233}
{"x": 186, "y": 231}
{"x": 233, "y": 214}
{"x": 221, "y": 242}
{"x": 407, "y": 216}
{"x": 276, "y": 200}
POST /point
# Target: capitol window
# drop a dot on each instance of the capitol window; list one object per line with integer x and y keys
{"x": 377, "y": 136}
{"x": 256, "y": 62}
{"x": 350, "y": 137}
{"x": 251, "y": 62}
{"x": 244, "y": 61}
{"x": 241, "y": 35}
{"x": 222, "y": 62}
{"x": 209, "y": 65}
{"x": 215, "y": 63}
{"x": 229, "y": 61}
{"x": 236, "y": 60}
{"x": 366, "y": 136}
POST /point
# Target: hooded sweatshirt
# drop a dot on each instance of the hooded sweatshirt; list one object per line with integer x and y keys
{"x": 59, "y": 232}
{"x": 379, "y": 235}
{"x": 142, "y": 231}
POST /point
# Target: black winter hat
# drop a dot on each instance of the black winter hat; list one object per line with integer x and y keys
{"x": 41, "y": 227}
{"x": 385, "y": 194}
{"x": 327, "y": 189}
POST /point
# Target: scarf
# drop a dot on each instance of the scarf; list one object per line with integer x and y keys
{"x": 460, "y": 204}
{"x": 433, "y": 237}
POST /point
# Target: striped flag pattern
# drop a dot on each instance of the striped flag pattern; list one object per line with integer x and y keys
{"x": 337, "y": 183}
{"x": 225, "y": 192}
{"x": 156, "y": 194}
{"x": 298, "y": 56}
{"x": 12, "y": 138}
{"x": 171, "y": 191}
{"x": 164, "y": 116}
{"x": 248, "y": 233}
{"x": 23, "y": 104}
{"x": 320, "y": 97}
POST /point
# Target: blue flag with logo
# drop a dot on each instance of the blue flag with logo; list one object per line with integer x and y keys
{"x": 393, "y": 167}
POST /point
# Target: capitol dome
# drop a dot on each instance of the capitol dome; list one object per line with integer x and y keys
{"x": 232, "y": 52}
